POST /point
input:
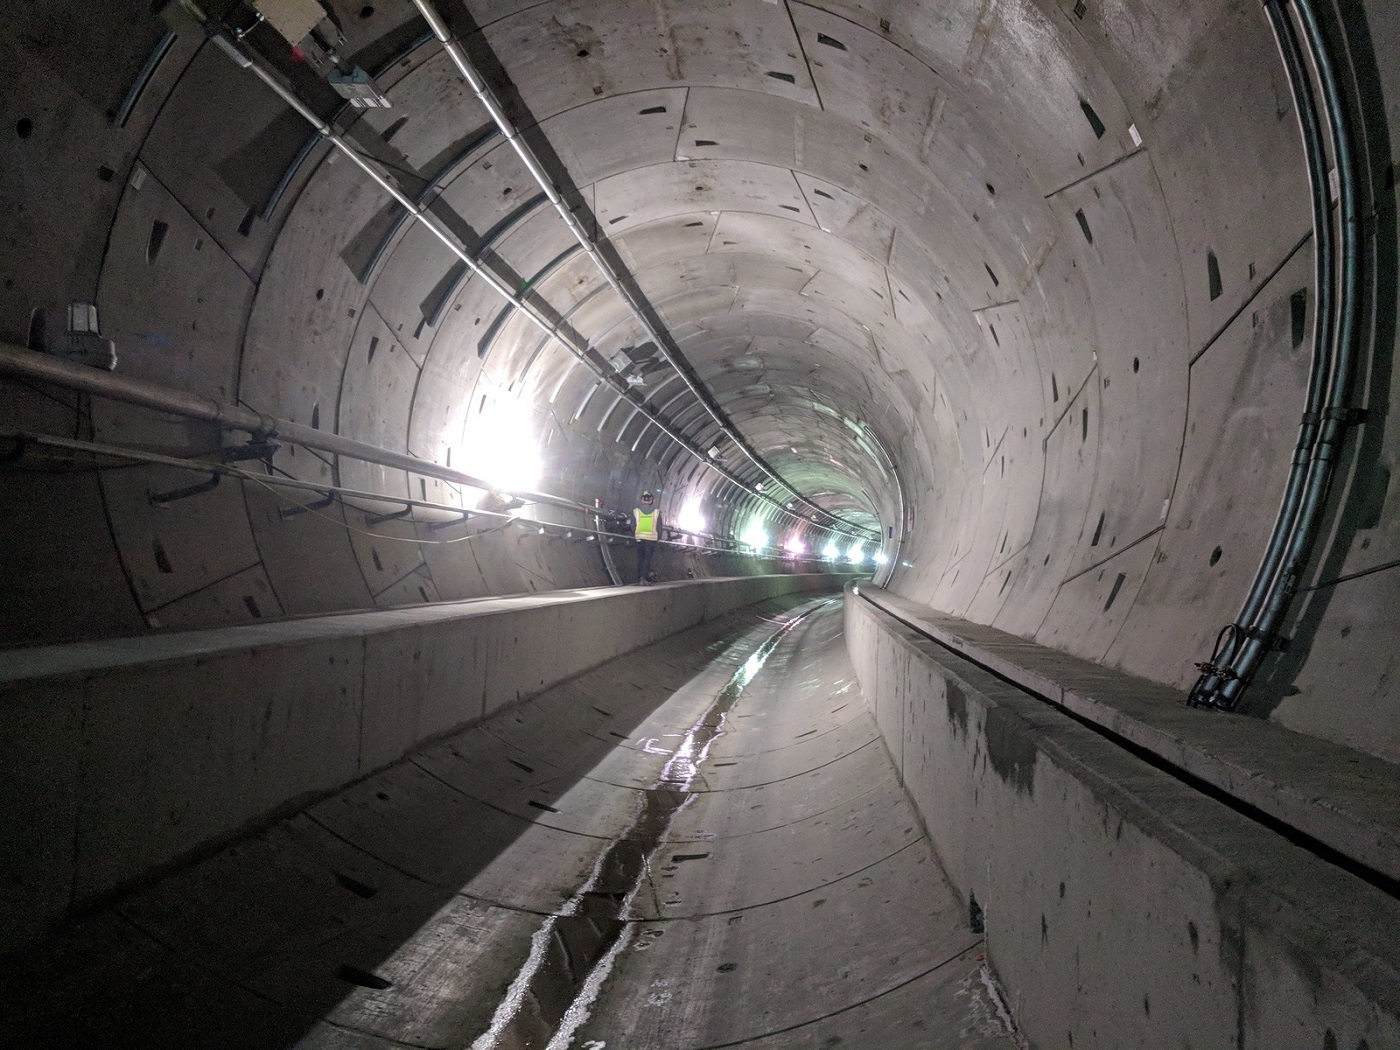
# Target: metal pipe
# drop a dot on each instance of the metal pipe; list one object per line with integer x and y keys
{"x": 143, "y": 79}
{"x": 331, "y": 492}
{"x": 899, "y": 492}
{"x": 421, "y": 214}
{"x": 1220, "y": 668}
{"x": 478, "y": 86}
{"x": 1334, "y": 416}
{"x": 1336, "y": 351}
{"x": 22, "y": 363}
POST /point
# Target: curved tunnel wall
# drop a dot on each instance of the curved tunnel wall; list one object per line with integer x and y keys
{"x": 1053, "y": 256}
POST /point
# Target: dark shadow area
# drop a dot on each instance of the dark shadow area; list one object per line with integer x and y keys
{"x": 249, "y": 948}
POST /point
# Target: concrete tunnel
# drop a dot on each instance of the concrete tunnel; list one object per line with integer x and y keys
{"x": 1013, "y": 379}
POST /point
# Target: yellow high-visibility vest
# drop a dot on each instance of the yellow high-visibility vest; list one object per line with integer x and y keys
{"x": 646, "y": 524}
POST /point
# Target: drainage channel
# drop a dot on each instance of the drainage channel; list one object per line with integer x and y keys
{"x": 572, "y": 954}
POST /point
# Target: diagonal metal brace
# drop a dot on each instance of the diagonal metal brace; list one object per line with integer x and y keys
{"x": 434, "y": 526}
{"x": 161, "y": 499}
{"x": 380, "y": 519}
{"x": 320, "y": 504}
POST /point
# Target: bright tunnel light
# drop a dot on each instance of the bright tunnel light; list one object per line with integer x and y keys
{"x": 856, "y": 553}
{"x": 755, "y": 535}
{"x": 880, "y": 558}
{"x": 690, "y": 519}
{"x": 502, "y": 448}
{"x": 831, "y": 552}
{"x": 795, "y": 546}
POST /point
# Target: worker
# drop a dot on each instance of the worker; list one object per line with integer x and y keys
{"x": 648, "y": 530}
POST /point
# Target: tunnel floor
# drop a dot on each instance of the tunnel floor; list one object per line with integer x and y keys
{"x": 701, "y": 844}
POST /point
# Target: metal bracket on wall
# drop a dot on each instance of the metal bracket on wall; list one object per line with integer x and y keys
{"x": 380, "y": 519}
{"x": 434, "y": 526}
{"x": 263, "y": 450}
{"x": 164, "y": 499}
{"x": 320, "y": 504}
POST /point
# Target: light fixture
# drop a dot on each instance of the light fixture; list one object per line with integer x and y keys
{"x": 755, "y": 535}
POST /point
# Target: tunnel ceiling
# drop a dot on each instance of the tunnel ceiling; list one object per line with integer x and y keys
{"x": 1026, "y": 283}
{"x": 819, "y": 200}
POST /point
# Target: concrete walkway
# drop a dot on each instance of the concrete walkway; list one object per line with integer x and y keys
{"x": 702, "y": 844}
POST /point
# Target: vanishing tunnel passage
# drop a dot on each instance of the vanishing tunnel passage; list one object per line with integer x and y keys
{"x": 701, "y": 844}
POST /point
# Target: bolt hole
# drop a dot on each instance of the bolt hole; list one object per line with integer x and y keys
{"x": 1215, "y": 555}
{"x": 367, "y": 11}
{"x": 24, "y": 127}
{"x": 320, "y": 294}
{"x": 583, "y": 52}
{"x": 991, "y": 189}
{"x": 1136, "y": 364}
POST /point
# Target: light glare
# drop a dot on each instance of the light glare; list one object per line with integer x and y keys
{"x": 755, "y": 535}
{"x": 502, "y": 447}
{"x": 690, "y": 519}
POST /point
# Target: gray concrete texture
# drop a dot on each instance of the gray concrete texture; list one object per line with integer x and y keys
{"x": 788, "y": 898}
{"x": 129, "y": 755}
{"x": 1122, "y": 906}
{"x": 1026, "y": 284}
{"x": 863, "y": 223}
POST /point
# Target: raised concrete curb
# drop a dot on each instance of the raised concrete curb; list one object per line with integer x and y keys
{"x": 126, "y": 755}
{"x": 1345, "y": 799}
{"x": 1122, "y": 907}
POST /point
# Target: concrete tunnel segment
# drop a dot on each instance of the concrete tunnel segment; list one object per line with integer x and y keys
{"x": 1030, "y": 283}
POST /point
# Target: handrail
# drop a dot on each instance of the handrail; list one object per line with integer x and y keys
{"x": 1241, "y": 646}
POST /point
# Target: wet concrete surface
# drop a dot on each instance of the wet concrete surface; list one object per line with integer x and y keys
{"x": 702, "y": 844}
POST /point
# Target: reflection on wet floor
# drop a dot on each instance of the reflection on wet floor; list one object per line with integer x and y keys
{"x": 758, "y": 878}
{"x": 572, "y": 954}
{"x": 702, "y": 844}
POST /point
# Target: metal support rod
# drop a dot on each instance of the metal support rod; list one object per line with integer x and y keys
{"x": 174, "y": 495}
{"x": 435, "y": 526}
{"x": 420, "y": 213}
{"x": 492, "y": 105}
{"x": 330, "y": 493}
{"x": 380, "y": 519}
{"x": 1242, "y": 645}
{"x": 320, "y": 504}
{"x": 22, "y": 363}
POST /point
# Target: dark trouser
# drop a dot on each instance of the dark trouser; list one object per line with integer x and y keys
{"x": 645, "y": 550}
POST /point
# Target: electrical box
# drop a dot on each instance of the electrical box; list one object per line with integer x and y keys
{"x": 80, "y": 342}
{"x": 359, "y": 88}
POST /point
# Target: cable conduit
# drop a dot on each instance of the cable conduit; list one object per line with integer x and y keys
{"x": 491, "y": 104}
{"x": 1242, "y": 645}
